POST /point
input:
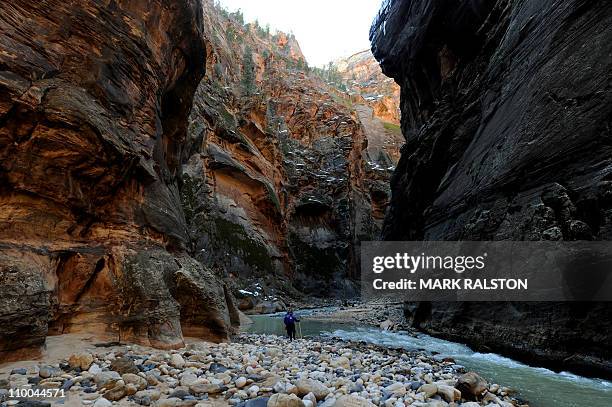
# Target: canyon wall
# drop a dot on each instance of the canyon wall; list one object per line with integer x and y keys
{"x": 366, "y": 83}
{"x": 280, "y": 190}
{"x": 158, "y": 161}
{"x": 506, "y": 110}
{"x": 94, "y": 101}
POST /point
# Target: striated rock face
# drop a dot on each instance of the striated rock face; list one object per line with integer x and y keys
{"x": 277, "y": 193}
{"x": 156, "y": 160}
{"x": 94, "y": 101}
{"x": 376, "y": 99}
{"x": 506, "y": 110}
{"x": 365, "y": 80}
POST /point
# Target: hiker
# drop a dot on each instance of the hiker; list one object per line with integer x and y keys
{"x": 290, "y": 321}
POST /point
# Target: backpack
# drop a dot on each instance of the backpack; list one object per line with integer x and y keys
{"x": 289, "y": 319}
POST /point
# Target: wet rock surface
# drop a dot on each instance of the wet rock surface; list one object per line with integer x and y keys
{"x": 260, "y": 371}
{"x": 506, "y": 112}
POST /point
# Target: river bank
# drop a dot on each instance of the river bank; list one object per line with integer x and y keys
{"x": 252, "y": 371}
{"x": 385, "y": 315}
{"x": 542, "y": 387}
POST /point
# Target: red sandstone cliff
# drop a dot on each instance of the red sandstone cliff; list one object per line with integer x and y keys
{"x": 94, "y": 100}
{"x": 365, "y": 80}
{"x": 154, "y": 162}
{"x": 276, "y": 194}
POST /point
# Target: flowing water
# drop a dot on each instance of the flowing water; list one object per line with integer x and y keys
{"x": 542, "y": 387}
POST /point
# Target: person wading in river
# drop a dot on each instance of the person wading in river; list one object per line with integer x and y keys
{"x": 290, "y": 321}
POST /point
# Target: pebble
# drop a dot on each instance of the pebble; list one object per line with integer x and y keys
{"x": 80, "y": 360}
{"x": 204, "y": 388}
{"x": 94, "y": 369}
{"x": 257, "y": 402}
{"x": 147, "y": 397}
{"x": 306, "y": 386}
{"x": 102, "y": 402}
{"x": 429, "y": 389}
{"x": 139, "y": 382}
{"x": 124, "y": 365}
{"x": 49, "y": 371}
{"x": 285, "y": 400}
{"x": 177, "y": 361}
{"x": 267, "y": 371}
{"x": 241, "y": 382}
{"x": 116, "y": 393}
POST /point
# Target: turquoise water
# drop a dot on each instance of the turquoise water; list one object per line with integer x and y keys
{"x": 542, "y": 387}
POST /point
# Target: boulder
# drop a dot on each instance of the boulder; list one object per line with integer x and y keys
{"x": 257, "y": 402}
{"x": 49, "y": 371}
{"x": 241, "y": 382}
{"x": 217, "y": 368}
{"x": 429, "y": 389}
{"x": 187, "y": 379}
{"x": 124, "y": 365}
{"x": 94, "y": 369}
{"x": 204, "y": 388}
{"x": 106, "y": 379}
{"x": 266, "y": 307}
{"x": 285, "y": 400}
{"x": 147, "y": 397}
{"x": 449, "y": 393}
{"x": 130, "y": 389}
{"x": 342, "y": 362}
{"x": 116, "y": 393}
{"x": 396, "y": 389}
{"x": 471, "y": 385}
{"x": 310, "y": 397}
{"x": 352, "y": 401}
{"x": 176, "y": 360}
{"x": 179, "y": 394}
{"x": 81, "y": 361}
{"x": 174, "y": 402}
{"x": 25, "y": 297}
{"x": 139, "y": 382}
{"x": 305, "y": 386}
{"x": 102, "y": 402}
{"x": 387, "y": 325}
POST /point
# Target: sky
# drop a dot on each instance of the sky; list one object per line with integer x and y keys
{"x": 326, "y": 29}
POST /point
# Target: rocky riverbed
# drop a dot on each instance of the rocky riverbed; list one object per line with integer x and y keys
{"x": 384, "y": 315}
{"x": 255, "y": 371}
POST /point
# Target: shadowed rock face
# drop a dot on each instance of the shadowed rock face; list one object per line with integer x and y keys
{"x": 506, "y": 110}
{"x": 94, "y": 100}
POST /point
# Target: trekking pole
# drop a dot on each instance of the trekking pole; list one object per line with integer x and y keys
{"x": 300, "y": 329}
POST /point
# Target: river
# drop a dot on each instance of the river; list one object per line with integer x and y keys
{"x": 542, "y": 387}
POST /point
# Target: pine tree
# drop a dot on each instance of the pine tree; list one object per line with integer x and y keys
{"x": 238, "y": 16}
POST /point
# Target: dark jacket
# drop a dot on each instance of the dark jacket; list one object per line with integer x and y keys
{"x": 290, "y": 319}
